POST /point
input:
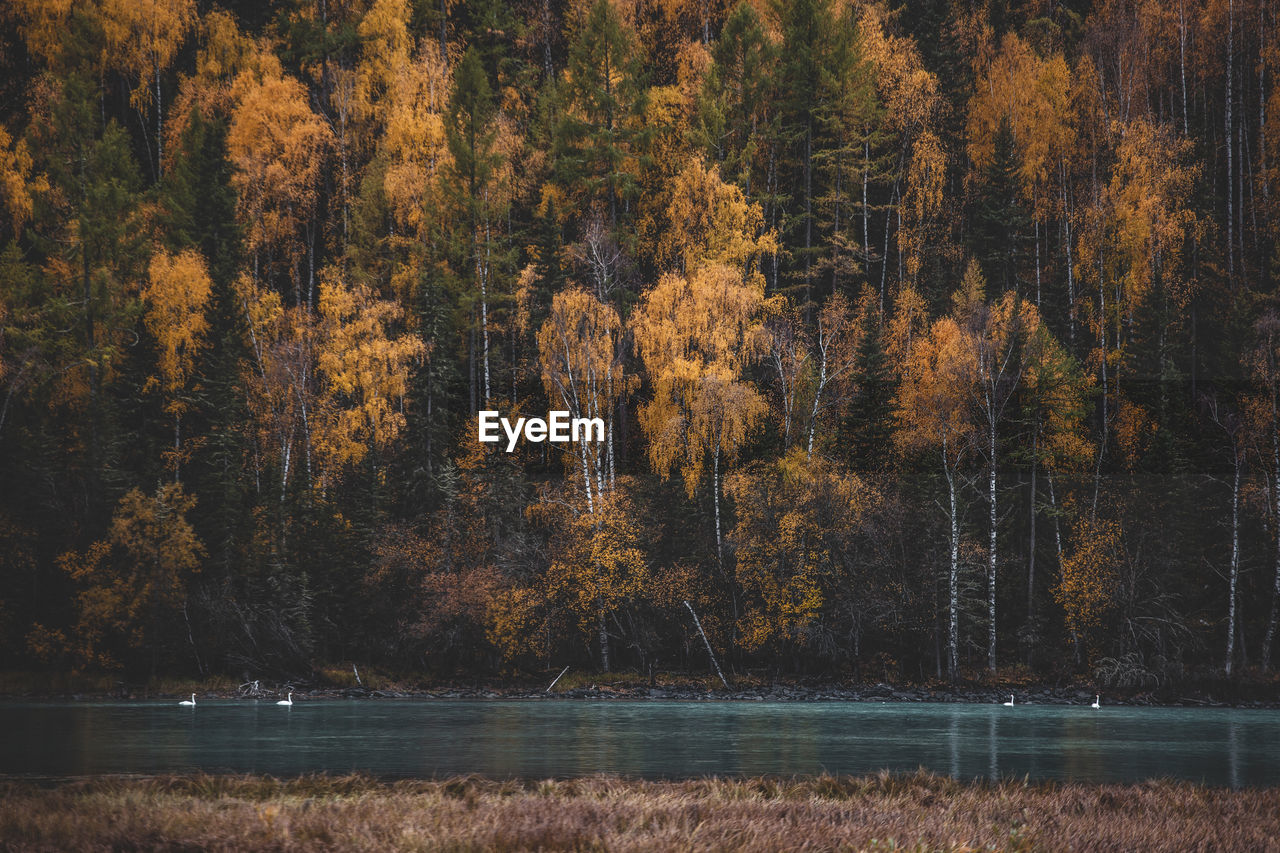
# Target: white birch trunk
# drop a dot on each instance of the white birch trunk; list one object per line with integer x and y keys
{"x": 953, "y": 577}
{"x": 1235, "y": 559}
{"x": 991, "y": 553}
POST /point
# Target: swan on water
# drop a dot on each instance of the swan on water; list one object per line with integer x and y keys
{"x": 288, "y": 701}
{"x": 191, "y": 701}
{"x": 1096, "y": 702}
{"x": 1009, "y": 704}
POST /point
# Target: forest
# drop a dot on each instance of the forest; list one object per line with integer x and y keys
{"x": 933, "y": 340}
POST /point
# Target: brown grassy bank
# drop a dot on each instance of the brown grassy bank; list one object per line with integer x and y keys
{"x": 885, "y": 812}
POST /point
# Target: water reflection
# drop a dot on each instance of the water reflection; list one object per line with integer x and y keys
{"x": 1233, "y": 753}
{"x": 993, "y": 761}
{"x": 652, "y": 739}
{"x": 953, "y": 740}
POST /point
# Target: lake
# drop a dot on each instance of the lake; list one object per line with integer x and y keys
{"x": 432, "y": 738}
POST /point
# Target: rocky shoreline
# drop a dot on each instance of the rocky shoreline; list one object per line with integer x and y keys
{"x": 1253, "y": 696}
{"x": 876, "y": 693}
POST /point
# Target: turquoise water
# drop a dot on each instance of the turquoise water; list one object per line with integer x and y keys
{"x": 429, "y": 738}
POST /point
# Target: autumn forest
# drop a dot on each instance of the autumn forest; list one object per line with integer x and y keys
{"x": 931, "y": 339}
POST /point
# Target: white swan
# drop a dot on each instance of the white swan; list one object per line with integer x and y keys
{"x": 288, "y": 701}
{"x": 1096, "y": 702}
{"x": 191, "y": 701}
{"x": 1009, "y": 704}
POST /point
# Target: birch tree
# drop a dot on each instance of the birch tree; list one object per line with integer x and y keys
{"x": 934, "y": 416}
{"x": 696, "y": 336}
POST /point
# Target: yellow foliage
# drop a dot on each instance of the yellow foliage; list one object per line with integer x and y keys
{"x": 972, "y": 293}
{"x": 224, "y": 51}
{"x": 176, "y": 292}
{"x": 580, "y": 352}
{"x": 1151, "y": 193}
{"x": 43, "y": 25}
{"x": 414, "y": 137}
{"x": 18, "y": 185}
{"x": 1033, "y": 93}
{"x": 795, "y": 520}
{"x": 1091, "y": 574}
{"x": 908, "y": 91}
{"x": 933, "y": 399}
{"x": 600, "y": 562}
{"x": 709, "y": 221}
{"x": 696, "y": 335}
{"x": 910, "y": 320}
{"x": 384, "y": 49}
{"x": 279, "y": 383}
{"x": 363, "y": 366}
{"x": 135, "y": 577}
{"x": 518, "y": 622}
{"x": 1134, "y": 429}
{"x": 277, "y": 145}
{"x": 922, "y": 202}
{"x": 143, "y": 37}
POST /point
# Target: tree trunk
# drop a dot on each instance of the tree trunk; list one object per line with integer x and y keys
{"x": 1071, "y": 281}
{"x": 715, "y": 490}
{"x": 808, "y": 218}
{"x": 1057, "y": 527}
{"x": 1275, "y": 469}
{"x": 1102, "y": 343}
{"x": 1037, "y": 262}
{"x": 817, "y": 397}
{"x": 698, "y": 624}
{"x": 953, "y": 578}
{"x": 1031, "y": 556}
{"x": 444, "y": 31}
{"x": 866, "y": 219}
{"x": 483, "y": 271}
{"x": 604, "y": 643}
{"x": 991, "y": 552}
{"x": 1182, "y": 64}
{"x": 1227, "y": 138}
{"x": 159, "y": 126}
{"x": 1235, "y": 559}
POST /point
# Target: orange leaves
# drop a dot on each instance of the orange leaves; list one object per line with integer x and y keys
{"x": 225, "y": 51}
{"x": 908, "y": 91}
{"x": 385, "y": 44}
{"x": 1151, "y": 196}
{"x": 336, "y": 379}
{"x": 922, "y": 202}
{"x": 176, "y": 292}
{"x": 153, "y": 529}
{"x": 709, "y": 221}
{"x": 278, "y": 146}
{"x": 1033, "y": 94}
{"x": 18, "y": 185}
{"x": 413, "y": 139}
{"x": 278, "y": 384}
{"x": 695, "y": 336}
{"x": 144, "y": 36}
{"x": 1090, "y": 575}
{"x": 43, "y": 25}
{"x": 363, "y": 367}
{"x": 966, "y": 367}
{"x": 1134, "y": 430}
{"x": 796, "y": 519}
{"x": 932, "y": 402}
{"x": 601, "y": 563}
{"x": 580, "y": 352}
{"x": 139, "y": 572}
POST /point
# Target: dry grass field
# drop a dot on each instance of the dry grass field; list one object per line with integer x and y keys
{"x": 884, "y": 812}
